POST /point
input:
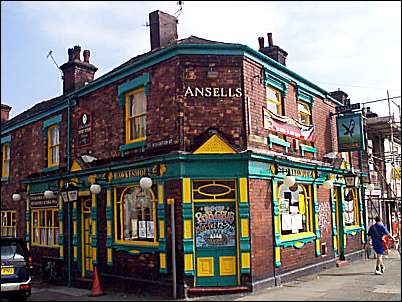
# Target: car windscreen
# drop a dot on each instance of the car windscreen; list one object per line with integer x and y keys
{"x": 11, "y": 251}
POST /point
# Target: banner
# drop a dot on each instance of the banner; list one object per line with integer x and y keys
{"x": 350, "y": 132}
{"x": 288, "y": 126}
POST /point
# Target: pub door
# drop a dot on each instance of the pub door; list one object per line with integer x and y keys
{"x": 86, "y": 231}
{"x": 215, "y": 242}
{"x": 339, "y": 221}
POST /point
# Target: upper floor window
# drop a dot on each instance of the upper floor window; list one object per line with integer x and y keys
{"x": 5, "y": 171}
{"x": 136, "y": 215}
{"x": 136, "y": 113}
{"x": 53, "y": 146}
{"x": 304, "y": 113}
{"x": 295, "y": 206}
{"x": 274, "y": 101}
{"x": 8, "y": 223}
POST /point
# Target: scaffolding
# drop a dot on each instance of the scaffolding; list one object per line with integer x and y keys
{"x": 387, "y": 180}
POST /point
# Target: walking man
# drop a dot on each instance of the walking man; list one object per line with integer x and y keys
{"x": 376, "y": 233}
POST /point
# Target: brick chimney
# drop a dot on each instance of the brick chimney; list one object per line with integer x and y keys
{"x": 5, "y": 111}
{"x": 272, "y": 51}
{"x": 340, "y": 96}
{"x": 77, "y": 73}
{"x": 163, "y": 29}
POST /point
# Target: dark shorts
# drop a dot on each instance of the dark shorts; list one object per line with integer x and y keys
{"x": 379, "y": 250}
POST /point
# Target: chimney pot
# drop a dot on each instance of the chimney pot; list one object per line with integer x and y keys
{"x": 5, "y": 111}
{"x": 261, "y": 42}
{"x": 86, "y": 55}
{"x": 270, "y": 43}
{"x": 70, "y": 54}
{"x": 77, "y": 53}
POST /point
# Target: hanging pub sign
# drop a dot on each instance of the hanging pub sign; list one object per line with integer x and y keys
{"x": 84, "y": 130}
{"x": 38, "y": 200}
{"x": 288, "y": 126}
{"x": 215, "y": 225}
{"x": 350, "y": 132}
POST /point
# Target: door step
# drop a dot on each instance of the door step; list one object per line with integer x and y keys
{"x": 217, "y": 289}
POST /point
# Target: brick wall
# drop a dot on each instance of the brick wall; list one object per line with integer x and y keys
{"x": 261, "y": 231}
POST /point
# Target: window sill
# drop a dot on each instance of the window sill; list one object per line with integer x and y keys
{"x": 138, "y": 247}
{"x": 273, "y": 139}
{"x": 5, "y": 178}
{"x": 135, "y": 145}
{"x": 297, "y": 240}
{"x": 47, "y": 246}
{"x": 353, "y": 229}
{"x": 49, "y": 169}
{"x": 306, "y": 148}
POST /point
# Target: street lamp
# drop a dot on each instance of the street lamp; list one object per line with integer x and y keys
{"x": 351, "y": 179}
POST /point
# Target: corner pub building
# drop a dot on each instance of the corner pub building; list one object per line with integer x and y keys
{"x": 229, "y": 136}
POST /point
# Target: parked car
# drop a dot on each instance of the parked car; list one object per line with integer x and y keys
{"x": 16, "y": 268}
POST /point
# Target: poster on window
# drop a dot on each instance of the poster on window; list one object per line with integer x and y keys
{"x": 215, "y": 226}
{"x": 150, "y": 229}
{"x": 142, "y": 229}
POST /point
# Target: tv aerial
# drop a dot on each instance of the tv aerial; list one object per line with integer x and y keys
{"x": 50, "y": 55}
{"x": 179, "y": 11}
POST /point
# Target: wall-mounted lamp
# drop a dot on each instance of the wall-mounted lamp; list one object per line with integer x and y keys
{"x": 48, "y": 193}
{"x": 370, "y": 187}
{"x": 145, "y": 183}
{"x": 328, "y": 184}
{"x": 289, "y": 181}
{"x": 16, "y": 196}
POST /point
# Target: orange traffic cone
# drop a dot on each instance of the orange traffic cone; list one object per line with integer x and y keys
{"x": 96, "y": 288}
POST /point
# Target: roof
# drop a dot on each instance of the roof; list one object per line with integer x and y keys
{"x": 40, "y": 107}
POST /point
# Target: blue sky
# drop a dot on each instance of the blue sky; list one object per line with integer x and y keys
{"x": 354, "y": 46}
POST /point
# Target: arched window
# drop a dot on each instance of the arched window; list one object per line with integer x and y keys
{"x": 295, "y": 209}
{"x": 136, "y": 215}
{"x": 304, "y": 113}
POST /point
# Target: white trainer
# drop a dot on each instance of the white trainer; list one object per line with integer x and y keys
{"x": 378, "y": 272}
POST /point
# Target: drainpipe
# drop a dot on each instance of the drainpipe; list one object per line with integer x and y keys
{"x": 69, "y": 203}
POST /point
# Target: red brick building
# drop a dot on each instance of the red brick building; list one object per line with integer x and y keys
{"x": 230, "y": 136}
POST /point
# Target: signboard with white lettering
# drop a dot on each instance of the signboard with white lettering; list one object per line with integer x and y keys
{"x": 38, "y": 200}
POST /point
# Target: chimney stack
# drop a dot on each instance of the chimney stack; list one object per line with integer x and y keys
{"x": 76, "y": 72}
{"x": 5, "y": 111}
{"x": 274, "y": 52}
{"x": 340, "y": 96}
{"x": 163, "y": 29}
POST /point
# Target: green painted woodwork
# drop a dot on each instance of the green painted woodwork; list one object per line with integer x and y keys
{"x": 273, "y": 139}
{"x": 306, "y": 148}
{"x": 304, "y": 96}
{"x": 6, "y": 139}
{"x": 259, "y": 169}
{"x": 52, "y": 121}
{"x": 130, "y": 146}
{"x": 49, "y": 169}
{"x": 141, "y": 248}
{"x": 270, "y": 80}
{"x": 353, "y": 231}
{"x": 141, "y": 81}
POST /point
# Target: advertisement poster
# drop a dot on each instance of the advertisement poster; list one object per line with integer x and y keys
{"x": 350, "y": 132}
{"x": 215, "y": 226}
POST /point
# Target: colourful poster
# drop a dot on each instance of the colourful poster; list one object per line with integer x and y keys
{"x": 215, "y": 225}
{"x": 350, "y": 132}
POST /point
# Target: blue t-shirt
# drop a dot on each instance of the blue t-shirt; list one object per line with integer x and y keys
{"x": 377, "y": 231}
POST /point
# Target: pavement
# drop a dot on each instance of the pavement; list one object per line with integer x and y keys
{"x": 355, "y": 281}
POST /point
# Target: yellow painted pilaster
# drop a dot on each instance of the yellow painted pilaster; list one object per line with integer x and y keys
{"x": 160, "y": 194}
{"x": 245, "y": 260}
{"x": 244, "y": 227}
{"x": 162, "y": 260}
{"x": 243, "y": 189}
{"x": 186, "y": 190}
{"x": 188, "y": 262}
{"x": 61, "y": 248}
{"x": 75, "y": 251}
{"x": 187, "y": 229}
